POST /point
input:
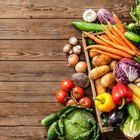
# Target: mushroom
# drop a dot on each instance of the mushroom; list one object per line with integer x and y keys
{"x": 73, "y": 40}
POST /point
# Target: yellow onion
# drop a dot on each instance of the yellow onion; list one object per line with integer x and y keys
{"x": 81, "y": 66}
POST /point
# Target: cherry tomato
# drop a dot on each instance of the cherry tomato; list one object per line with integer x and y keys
{"x": 77, "y": 92}
{"x": 85, "y": 102}
{"x": 61, "y": 96}
{"x": 71, "y": 101}
{"x": 67, "y": 85}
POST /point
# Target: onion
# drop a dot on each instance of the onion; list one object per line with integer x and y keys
{"x": 81, "y": 66}
{"x": 73, "y": 60}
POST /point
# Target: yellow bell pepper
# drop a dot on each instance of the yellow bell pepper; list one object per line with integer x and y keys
{"x": 104, "y": 102}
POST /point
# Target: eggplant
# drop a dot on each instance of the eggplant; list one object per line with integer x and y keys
{"x": 116, "y": 118}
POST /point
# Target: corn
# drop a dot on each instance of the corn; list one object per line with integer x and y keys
{"x": 135, "y": 89}
{"x": 136, "y": 100}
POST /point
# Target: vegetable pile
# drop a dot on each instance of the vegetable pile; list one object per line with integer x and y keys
{"x": 114, "y": 54}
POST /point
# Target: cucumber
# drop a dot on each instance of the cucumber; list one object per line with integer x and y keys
{"x": 51, "y": 135}
{"x": 133, "y": 110}
{"x": 86, "y": 26}
{"x": 49, "y": 119}
{"x": 132, "y": 36}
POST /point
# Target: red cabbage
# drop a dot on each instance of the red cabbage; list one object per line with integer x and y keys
{"x": 104, "y": 15}
{"x": 126, "y": 70}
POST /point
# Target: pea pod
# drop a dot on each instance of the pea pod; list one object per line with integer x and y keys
{"x": 49, "y": 119}
{"x": 133, "y": 110}
{"x": 51, "y": 135}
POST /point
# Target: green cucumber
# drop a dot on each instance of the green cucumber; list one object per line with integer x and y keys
{"x": 49, "y": 119}
{"x": 133, "y": 110}
{"x": 132, "y": 36}
{"x": 51, "y": 134}
{"x": 86, "y": 26}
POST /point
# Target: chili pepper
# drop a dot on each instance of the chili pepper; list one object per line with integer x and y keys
{"x": 104, "y": 102}
{"x": 121, "y": 94}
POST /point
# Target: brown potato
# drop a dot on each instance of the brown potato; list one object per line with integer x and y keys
{"x": 107, "y": 79}
{"x": 100, "y": 60}
{"x": 99, "y": 88}
{"x": 112, "y": 64}
{"x": 99, "y": 71}
{"x": 92, "y": 53}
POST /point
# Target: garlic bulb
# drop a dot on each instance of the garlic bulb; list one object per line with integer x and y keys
{"x": 73, "y": 40}
{"x": 89, "y": 15}
{"x": 77, "y": 49}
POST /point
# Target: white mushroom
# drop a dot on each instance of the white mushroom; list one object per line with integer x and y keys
{"x": 73, "y": 40}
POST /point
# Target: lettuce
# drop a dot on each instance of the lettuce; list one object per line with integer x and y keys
{"x": 126, "y": 70}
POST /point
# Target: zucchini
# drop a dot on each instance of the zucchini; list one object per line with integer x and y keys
{"x": 51, "y": 135}
{"x": 133, "y": 110}
{"x": 132, "y": 36}
{"x": 49, "y": 119}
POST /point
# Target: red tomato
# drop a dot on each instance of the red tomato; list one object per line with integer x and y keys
{"x": 61, "y": 96}
{"x": 85, "y": 102}
{"x": 71, "y": 101}
{"x": 77, "y": 92}
{"x": 67, "y": 85}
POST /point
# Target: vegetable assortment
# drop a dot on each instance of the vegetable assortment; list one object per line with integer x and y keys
{"x": 113, "y": 50}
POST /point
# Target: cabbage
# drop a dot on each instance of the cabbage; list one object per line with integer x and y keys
{"x": 131, "y": 128}
{"x": 126, "y": 70}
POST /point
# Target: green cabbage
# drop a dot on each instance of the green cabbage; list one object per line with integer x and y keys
{"x": 131, "y": 128}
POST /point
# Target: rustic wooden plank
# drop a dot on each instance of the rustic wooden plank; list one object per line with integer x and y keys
{"x": 61, "y": 9}
{"x": 23, "y": 92}
{"x": 37, "y": 29}
{"x": 34, "y": 70}
{"x": 33, "y": 50}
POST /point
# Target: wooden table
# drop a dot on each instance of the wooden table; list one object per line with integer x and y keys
{"x": 32, "y": 64}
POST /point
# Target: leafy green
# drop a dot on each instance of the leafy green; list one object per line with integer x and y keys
{"x": 131, "y": 128}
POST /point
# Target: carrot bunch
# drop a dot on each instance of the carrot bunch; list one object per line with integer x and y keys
{"x": 113, "y": 43}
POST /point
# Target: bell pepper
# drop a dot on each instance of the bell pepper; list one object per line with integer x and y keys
{"x": 104, "y": 102}
{"x": 121, "y": 94}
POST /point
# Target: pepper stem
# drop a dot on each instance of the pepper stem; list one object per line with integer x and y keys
{"x": 102, "y": 101}
{"x": 123, "y": 103}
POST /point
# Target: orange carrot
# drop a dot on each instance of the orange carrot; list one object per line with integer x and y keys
{"x": 107, "y": 31}
{"x": 108, "y": 54}
{"x": 109, "y": 50}
{"x": 120, "y": 40}
{"x": 97, "y": 40}
{"x": 131, "y": 46}
{"x": 119, "y": 47}
{"x": 105, "y": 36}
{"x": 119, "y": 23}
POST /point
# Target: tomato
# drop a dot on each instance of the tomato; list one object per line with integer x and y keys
{"x": 67, "y": 85}
{"x": 71, "y": 101}
{"x": 61, "y": 96}
{"x": 77, "y": 92}
{"x": 85, "y": 102}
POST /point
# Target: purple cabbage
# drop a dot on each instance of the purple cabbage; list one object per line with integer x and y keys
{"x": 126, "y": 70}
{"x": 103, "y": 15}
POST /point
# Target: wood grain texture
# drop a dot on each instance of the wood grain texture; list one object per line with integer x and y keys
{"x": 34, "y": 70}
{"x": 61, "y": 9}
{"x": 33, "y": 50}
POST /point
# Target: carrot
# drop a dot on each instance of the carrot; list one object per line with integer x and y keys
{"x": 108, "y": 54}
{"x": 119, "y": 23}
{"x": 107, "y": 31}
{"x": 110, "y": 50}
{"x": 119, "y": 47}
{"x": 105, "y": 36}
{"x": 131, "y": 46}
{"x": 97, "y": 40}
{"x": 120, "y": 40}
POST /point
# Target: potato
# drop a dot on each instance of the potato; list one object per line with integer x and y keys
{"x": 92, "y": 53}
{"x": 100, "y": 60}
{"x": 107, "y": 79}
{"x": 99, "y": 88}
{"x": 99, "y": 71}
{"x": 112, "y": 64}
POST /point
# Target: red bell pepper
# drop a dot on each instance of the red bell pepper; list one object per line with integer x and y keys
{"x": 121, "y": 94}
